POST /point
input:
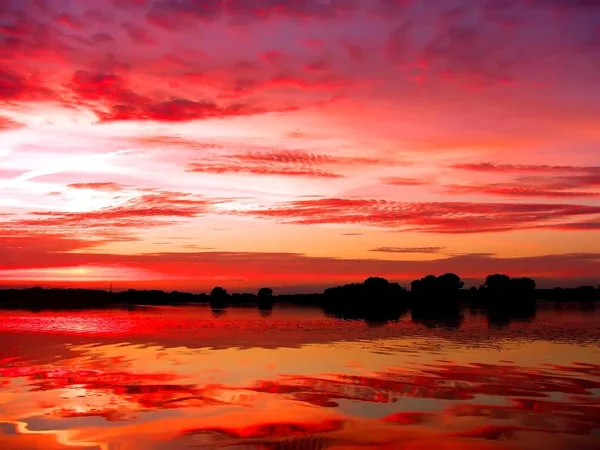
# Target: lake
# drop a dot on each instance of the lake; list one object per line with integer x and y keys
{"x": 188, "y": 378}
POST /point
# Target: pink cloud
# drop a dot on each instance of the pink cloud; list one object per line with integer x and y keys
{"x": 260, "y": 170}
{"x": 109, "y": 187}
{"x": 9, "y": 124}
{"x": 443, "y": 217}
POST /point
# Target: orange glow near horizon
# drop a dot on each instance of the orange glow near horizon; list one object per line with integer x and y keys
{"x": 376, "y": 138}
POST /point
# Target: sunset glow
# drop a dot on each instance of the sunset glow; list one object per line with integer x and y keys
{"x": 180, "y": 144}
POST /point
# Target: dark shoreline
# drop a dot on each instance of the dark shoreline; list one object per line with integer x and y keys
{"x": 375, "y": 299}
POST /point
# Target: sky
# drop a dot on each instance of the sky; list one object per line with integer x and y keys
{"x": 298, "y": 144}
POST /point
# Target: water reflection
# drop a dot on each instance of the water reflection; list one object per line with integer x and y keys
{"x": 167, "y": 378}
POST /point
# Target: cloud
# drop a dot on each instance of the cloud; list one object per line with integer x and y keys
{"x": 577, "y": 226}
{"x": 68, "y": 21}
{"x": 168, "y": 13}
{"x": 31, "y": 241}
{"x": 109, "y": 187}
{"x": 426, "y": 250}
{"x": 400, "y": 181}
{"x": 102, "y": 38}
{"x": 278, "y": 162}
{"x": 260, "y": 170}
{"x": 15, "y": 86}
{"x": 236, "y": 87}
{"x": 130, "y": 3}
{"x": 10, "y": 173}
{"x": 114, "y": 223}
{"x": 173, "y": 141}
{"x": 110, "y": 98}
{"x": 355, "y": 52}
{"x": 515, "y": 191}
{"x": 549, "y": 181}
{"x": 520, "y": 168}
{"x": 272, "y": 56}
{"x": 441, "y": 217}
{"x": 303, "y": 157}
{"x": 139, "y": 34}
{"x": 586, "y": 5}
{"x": 284, "y": 156}
{"x": 320, "y": 65}
{"x": 9, "y": 124}
{"x": 97, "y": 15}
{"x": 198, "y": 270}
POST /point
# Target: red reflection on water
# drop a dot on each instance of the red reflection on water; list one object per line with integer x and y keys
{"x": 553, "y": 399}
{"x": 408, "y": 418}
{"x": 274, "y": 430}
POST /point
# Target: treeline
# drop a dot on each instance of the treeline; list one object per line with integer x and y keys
{"x": 430, "y": 297}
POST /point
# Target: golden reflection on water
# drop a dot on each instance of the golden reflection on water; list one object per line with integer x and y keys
{"x": 168, "y": 378}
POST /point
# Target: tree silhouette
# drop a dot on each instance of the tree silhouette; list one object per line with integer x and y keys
{"x": 507, "y": 298}
{"x": 265, "y": 292}
{"x": 219, "y": 298}
{"x": 376, "y": 283}
{"x": 497, "y": 281}
{"x": 265, "y": 300}
{"x": 436, "y": 297}
{"x": 447, "y": 283}
{"x": 450, "y": 282}
{"x": 219, "y": 292}
{"x": 376, "y": 299}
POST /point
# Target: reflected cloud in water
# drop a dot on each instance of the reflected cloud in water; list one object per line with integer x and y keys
{"x": 170, "y": 378}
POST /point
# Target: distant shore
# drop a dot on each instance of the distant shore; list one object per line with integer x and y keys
{"x": 375, "y": 299}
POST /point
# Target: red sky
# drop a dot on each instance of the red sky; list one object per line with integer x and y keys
{"x": 181, "y": 144}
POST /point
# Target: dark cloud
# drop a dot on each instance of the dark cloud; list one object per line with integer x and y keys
{"x": 167, "y": 13}
{"x": 102, "y": 38}
{"x": 577, "y": 226}
{"x": 288, "y": 268}
{"x": 355, "y": 52}
{"x": 130, "y": 3}
{"x": 319, "y": 65}
{"x": 139, "y": 34}
{"x": 587, "y": 5}
{"x": 97, "y": 15}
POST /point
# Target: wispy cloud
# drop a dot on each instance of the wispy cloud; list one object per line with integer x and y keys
{"x": 426, "y": 250}
{"x": 450, "y": 217}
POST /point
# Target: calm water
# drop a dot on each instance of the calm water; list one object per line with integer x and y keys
{"x": 168, "y": 378}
